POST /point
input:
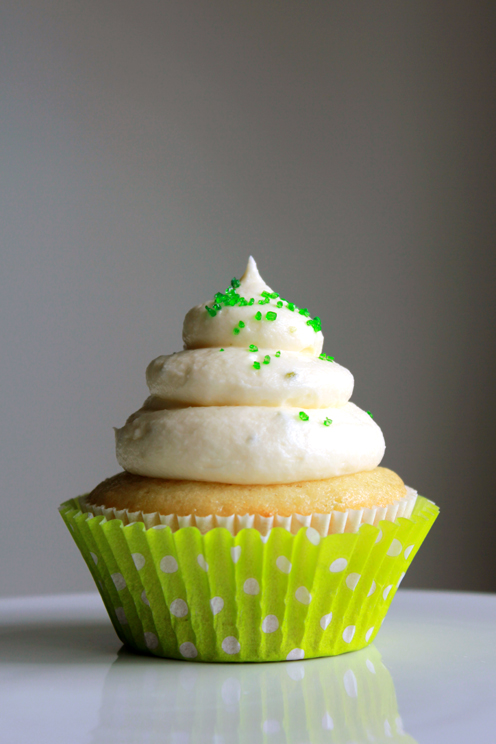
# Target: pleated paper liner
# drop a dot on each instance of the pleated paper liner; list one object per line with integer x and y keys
{"x": 245, "y": 597}
{"x": 349, "y": 698}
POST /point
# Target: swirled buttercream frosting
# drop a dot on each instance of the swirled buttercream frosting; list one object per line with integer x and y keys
{"x": 250, "y": 400}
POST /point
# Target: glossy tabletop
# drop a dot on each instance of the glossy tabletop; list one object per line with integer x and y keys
{"x": 429, "y": 677}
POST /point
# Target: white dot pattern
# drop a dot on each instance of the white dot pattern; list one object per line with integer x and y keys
{"x": 401, "y": 578}
{"x": 283, "y": 564}
{"x": 121, "y": 615}
{"x": 151, "y": 640}
{"x": 370, "y": 666}
{"x": 270, "y": 624}
{"x": 295, "y": 655}
{"x": 350, "y": 684}
{"x": 179, "y": 608}
{"x": 395, "y": 548}
{"x": 327, "y": 722}
{"x": 312, "y": 535}
{"x": 379, "y": 537}
{"x": 338, "y": 565}
{"x": 408, "y": 550}
{"x": 168, "y": 564}
{"x": 352, "y": 580}
{"x": 188, "y": 650}
{"x": 372, "y": 589}
{"x": 202, "y": 562}
{"x": 348, "y": 633}
{"x": 231, "y": 645}
{"x": 303, "y": 595}
{"x": 325, "y": 620}
{"x": 368, "y": 634}
{"x": 236, "y": 553}
{"x": 216, "y": 605}
{"x": 139, "y": 560}
{"x": 386, "y": 591}
{"x": 144, "y": 598}
{"x": 251, "y": 586}
{"x": 119, "y": 581}
{"x": 95, "y": 558}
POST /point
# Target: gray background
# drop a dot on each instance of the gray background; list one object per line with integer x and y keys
{"x": 149, "y": 147}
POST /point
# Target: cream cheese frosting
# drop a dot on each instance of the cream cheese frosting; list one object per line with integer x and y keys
{"x": 251, "y": 399}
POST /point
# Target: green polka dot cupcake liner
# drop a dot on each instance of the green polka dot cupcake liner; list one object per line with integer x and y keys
{"x": 246, "y": 597}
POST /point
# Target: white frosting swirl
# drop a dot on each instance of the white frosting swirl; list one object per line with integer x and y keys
{"x": 249, "y": 401}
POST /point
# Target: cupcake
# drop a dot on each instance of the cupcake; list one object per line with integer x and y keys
{"x": 251, "y": 521}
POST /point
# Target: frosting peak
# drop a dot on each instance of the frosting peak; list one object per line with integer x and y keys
{"x": 249, "y": 312}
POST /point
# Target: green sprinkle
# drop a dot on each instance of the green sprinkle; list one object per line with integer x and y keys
{"x": 251, "y": 301}
{"x": 304, "y": 416}
{"x": 252, "y": 347}
{"x": 236, "y": 331}
{"x": 304, "y": 312}
{"x": 266, "y": 359}
{"x": 235, "y": 283}
{"x": 258, "y": 316}
{"x": 291, "y": 306}
{"x": 271, "y": 315}
{"x": 242, "y": 302}
{"x": 241, "y": 324}
{"x": 315, "y": 324}
{"x": 323, "y": 357}
{"x": 265, "y": 301}
{"x": 274, "y": 295}
{"x": 221, "y": 349}
{"x": 327, "y": 421}
{"x": 279, "y": 304}
{"x": 256, "y": 365}
{"x": 211, "y": 311}
{"x": 278, "y": 354}
{"x": 266, "y": 294}
{"x": 371, "y": 416}
{"x": 330, "y": 359}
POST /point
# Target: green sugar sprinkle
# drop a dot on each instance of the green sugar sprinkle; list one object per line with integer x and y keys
{"x": 371, "y": 416}
{"x": 266, "y": 359}
{"x": 327, "y": 421}
{"x": 235, "y": 283}
{"x": 265, "y": 301}
{"x": 271, "y": 315}
{"x": 241, "y": 324}
{"x": 304, "y": 311}
{"x": 315, "y": 324}
{"x": 251, "y": 301}
{"x": 326, "y": 358}
{"x": 221, "y": 349}
{"x": 279, "y": 304}
{"x": 236, "y": 331}
{"x": 330, "y": 359}
{"x": 256, "y": 365}
{"x": 211, "y": 311}
{"x": 252, "y": 347}
{"x": 291, "y": 306}
{"x": 277, "y": 354}
{"x": 304, "y": 416}
{"x": 258, "y": 316}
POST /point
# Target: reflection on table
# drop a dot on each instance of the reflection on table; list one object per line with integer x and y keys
{"x": 340, "y": 700}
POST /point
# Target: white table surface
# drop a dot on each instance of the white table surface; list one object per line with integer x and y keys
{"x": 65, "y": 678}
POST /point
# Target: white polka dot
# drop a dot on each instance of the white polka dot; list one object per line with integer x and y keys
{"x": 231, "y": 691}
{"x": 327, "y": 722}
{"x": 179, "y": 608}
{"x": 313, "y": 535}
{"x": 369, "y": 633}
{"x": 325, "y": 620}
{"x": 151, "y": 640}
{"x": 251, "y": 586}
{"x": 338, "y": 565}
{"x": 202, "y": 562}
{"x": 350, "y": 684}
{"x": 168, "y": 564}
{"x": 216, "y": 605}
{"x": 399, "y": 726}
{"x": 119, "y": 581}
{"x": 231, "y": 645}
{"x": 296, "y": 671}
{"x": 121, "y": 615}
{"x": 295, "y": 655}
{"x": 95, "y": 558}
{"x": 348, "y": 633}
{"x": 270, "y": 624}
{"x": 370, "y": 666}
{"x": 159, "y": 527}
{"x": 303, "y": 595}
{"x": 89, "y": 516}
{"x": 235, "y": 553}
{"x": 283, "y": 564}
{"x": 372, "y": 589}
{"x": 139, "y": 560}
{"x": 379, "y": 537}
{"x": 401, "y": 578}
{"x": 271, "y": 726}
{"x": 386, "y": 591}
{"x": 387, "y": 729}
{"x": 144, "y": 598}
{"x": 71, "y": 527}
{"x": 352, "y": 580}
{"x": 188, "y": 650}
{"x": 395, "y": 548}
{"x": 408, "y": 551}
